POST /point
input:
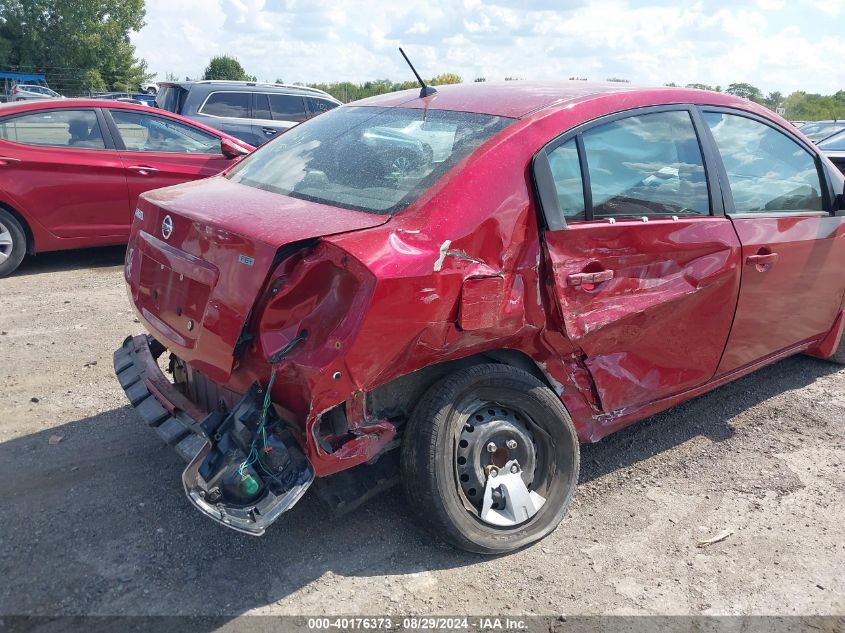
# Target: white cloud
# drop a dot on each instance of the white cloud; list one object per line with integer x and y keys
{"x": 769, "y": 43}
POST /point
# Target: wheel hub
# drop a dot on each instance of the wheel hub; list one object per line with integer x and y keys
{"x": 6, "y": 244}
{"x": 494, "y": 440}
{"x": 401, "y": 166}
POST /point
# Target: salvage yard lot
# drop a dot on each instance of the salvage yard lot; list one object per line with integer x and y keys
{"x": 94, "y": 520}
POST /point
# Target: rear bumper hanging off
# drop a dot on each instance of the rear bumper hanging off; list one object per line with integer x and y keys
{"x": 223, "y": 479}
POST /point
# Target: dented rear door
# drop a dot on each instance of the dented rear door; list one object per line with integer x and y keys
{"x": 644, "y": 269}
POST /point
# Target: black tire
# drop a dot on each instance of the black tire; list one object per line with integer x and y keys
{"x": 429, "y": 449}
{"x": 12, "y": 253}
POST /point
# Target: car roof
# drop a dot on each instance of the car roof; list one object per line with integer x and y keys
{"x": 518, "y": 99}
{"x": 20, "y": 107}
{"x": 250, "y": 86}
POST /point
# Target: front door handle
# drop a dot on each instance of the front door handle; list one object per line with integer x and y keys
{"x": 268, "y": 131}
{"x": 589, "y": 279}
{"x": 144, "y": 170}
{"x": 5, "y": 161}
{"x": 762, "y": 262}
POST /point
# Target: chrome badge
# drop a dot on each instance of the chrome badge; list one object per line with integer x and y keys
{"x": 167, "y": 227}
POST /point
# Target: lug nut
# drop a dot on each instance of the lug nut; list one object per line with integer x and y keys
{"x": 493, "y": 472}
{"x": 492, "y": 448}
{"x": 511, "y": 444}
{"x": 514, "y": 469}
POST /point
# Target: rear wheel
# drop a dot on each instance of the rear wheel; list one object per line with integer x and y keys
{"x": 12, "y": 243}
{"x": 490, "y": 459}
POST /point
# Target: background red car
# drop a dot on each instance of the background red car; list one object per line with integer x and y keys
{"x": 71, "y": 170}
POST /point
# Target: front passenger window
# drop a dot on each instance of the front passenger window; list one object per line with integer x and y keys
{"x": 767, "y": 170}
{"x": 149, "y": 133}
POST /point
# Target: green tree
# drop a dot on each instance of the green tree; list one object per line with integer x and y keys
{"x": 815, "y": 107}
{"x": 773, "y": 100}
{"x": 444, "y": 79}
{"x": 78, "y": 44}
{"x": 226, "y": 67}
{"x": 745, "y": 91}
{"x": 347, "y": 91}
{"x": 704, "y": 87}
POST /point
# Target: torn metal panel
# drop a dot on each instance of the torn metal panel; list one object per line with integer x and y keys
{"x": 657, "y": 322}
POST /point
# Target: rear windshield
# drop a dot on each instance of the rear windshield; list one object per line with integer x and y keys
{"x": 171, "y": 98}
{"x": 377, "y": 160}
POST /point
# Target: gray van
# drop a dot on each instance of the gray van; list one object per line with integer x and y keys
{"x": 251, "y": 111}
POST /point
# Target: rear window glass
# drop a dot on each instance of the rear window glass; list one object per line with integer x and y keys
{"x": 171, "y": 98}
{"x": 835, "y": 143}
{"x": 227, "y": 104}
{"x": 287, "y": 107}
{"x": 318, "y": 106}
{"x": 819, "y": 131}
{"x": 377, "y": 160}
{"x": 55, "y": 128}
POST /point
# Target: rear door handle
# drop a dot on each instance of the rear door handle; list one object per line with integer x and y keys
{"x": 5, "y": 161}
{"x": 761, "y": 260}
{"x": 144, "y": 170}
{"x": 269, "y": 131}
{"x": 583, "y": 279}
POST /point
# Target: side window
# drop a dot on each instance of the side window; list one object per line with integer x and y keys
{"x": 835, "y": 143}
{"x": 648, "y": 164}
{"x": 566, "y": 173}
{"x": 767, "y": 170}
{"x": 262, "y": 106}
{"x": 55, "y": 128}
{"x": 148, "y": 133}
{"x": 287, "y": 108}
{"x": 318, "y": 106}
{"x": 227, "y": 104}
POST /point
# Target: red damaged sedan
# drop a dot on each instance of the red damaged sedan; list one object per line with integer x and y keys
{"x": 456, "y": 290}
{"x": 71, "y": 170}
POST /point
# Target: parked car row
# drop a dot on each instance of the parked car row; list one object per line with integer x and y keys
{"x": 457, "y": 288}
{"x": 834, "y": 148}
{"x": 71, "y": 170}
{"x": 253, "y": 112}
{"x": 818, "y": 131}
{"x": 24, "y": 92}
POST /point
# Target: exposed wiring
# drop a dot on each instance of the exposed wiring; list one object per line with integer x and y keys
{"x": 254, "y": 455}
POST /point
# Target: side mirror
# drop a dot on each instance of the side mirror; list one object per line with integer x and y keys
{"x": 232, "y": 150}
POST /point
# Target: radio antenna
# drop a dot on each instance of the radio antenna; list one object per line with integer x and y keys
{"x": 425, "y": 91}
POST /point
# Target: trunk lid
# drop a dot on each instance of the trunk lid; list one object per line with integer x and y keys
{"x": 201, "y": 252}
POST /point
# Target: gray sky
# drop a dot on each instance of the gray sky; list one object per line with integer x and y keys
{"x": 773, "y": 44}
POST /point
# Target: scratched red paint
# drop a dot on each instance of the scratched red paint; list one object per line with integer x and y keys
{"x": 464, "y": 271}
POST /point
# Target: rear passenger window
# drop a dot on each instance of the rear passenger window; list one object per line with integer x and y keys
{"x": 227, "y": 104}
{"x": 318, "y": 106}
{"x": 767, "y": 170}
{"x": 287, "y": 107}
{"x": 648, "y": 164}
{"x": 566, "y": 172}
{"x": 77, "y": 129}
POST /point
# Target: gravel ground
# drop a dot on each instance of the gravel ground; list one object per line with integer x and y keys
{"x": 96, "y": 523}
